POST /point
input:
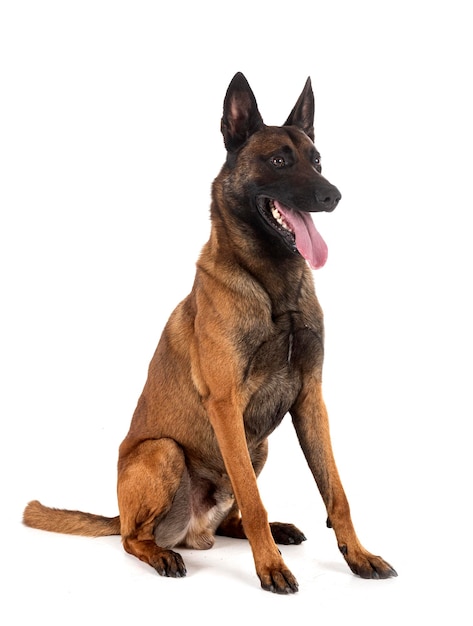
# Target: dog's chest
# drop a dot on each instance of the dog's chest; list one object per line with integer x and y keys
{"x": 291, "y": 344}
{"x": 276, "y": 364}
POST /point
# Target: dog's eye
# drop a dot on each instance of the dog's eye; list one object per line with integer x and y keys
{"x": 317, "y": 164}
{"x": 278, "y": 161}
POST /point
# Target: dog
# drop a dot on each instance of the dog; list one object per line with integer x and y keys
{"x": 241, "y": 351}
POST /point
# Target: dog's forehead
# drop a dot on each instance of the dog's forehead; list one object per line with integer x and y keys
{"x": 273, "y": 138}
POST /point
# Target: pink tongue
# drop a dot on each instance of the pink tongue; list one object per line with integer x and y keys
{"x": 308, "y": 239}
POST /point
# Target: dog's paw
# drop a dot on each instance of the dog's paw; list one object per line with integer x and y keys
{"x": 169, "y": 563}
{"x": 279, "y": 581}
{"x": 286, "y": 534}
{"x": 367, "y": 565}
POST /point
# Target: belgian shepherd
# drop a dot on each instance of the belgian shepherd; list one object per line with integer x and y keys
{"x": 242, "y": 350}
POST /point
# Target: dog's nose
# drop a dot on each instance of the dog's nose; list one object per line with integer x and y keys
{"x": 328, "y": 198}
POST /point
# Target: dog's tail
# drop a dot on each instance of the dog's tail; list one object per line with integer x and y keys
{"x": 69, "y": 522}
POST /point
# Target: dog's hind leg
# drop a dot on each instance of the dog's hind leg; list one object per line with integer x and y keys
{"x": 283, "y": 533}
{"x": 232, "y": 525}
{"x": 152, "y": 488}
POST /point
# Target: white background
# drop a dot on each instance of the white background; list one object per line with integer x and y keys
{"x": 109, "y": 142}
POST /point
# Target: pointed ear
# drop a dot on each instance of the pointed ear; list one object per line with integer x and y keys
{"x": 241, "y": 117}
{"x": 302, "y": 115}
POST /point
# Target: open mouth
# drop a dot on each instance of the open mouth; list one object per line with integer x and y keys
{"x": 297, "y": 230}
{"x": 270, "y": 212}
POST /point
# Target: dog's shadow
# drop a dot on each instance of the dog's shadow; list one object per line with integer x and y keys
{"x": 230, "y": 558}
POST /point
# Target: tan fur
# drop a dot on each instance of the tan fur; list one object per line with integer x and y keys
{"x": 70, "y": 522}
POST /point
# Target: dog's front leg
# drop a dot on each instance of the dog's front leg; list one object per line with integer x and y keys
{"x": 311, "y": 423}
{"x": 227, "y": 422}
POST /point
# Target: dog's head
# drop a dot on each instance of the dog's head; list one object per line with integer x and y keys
{"x": 276, "y": 171}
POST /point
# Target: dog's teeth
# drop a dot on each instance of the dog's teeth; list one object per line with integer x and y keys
{"x": 278, "y": 217}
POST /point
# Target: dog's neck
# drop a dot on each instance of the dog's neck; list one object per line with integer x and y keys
{"x": 285, "y": 281}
